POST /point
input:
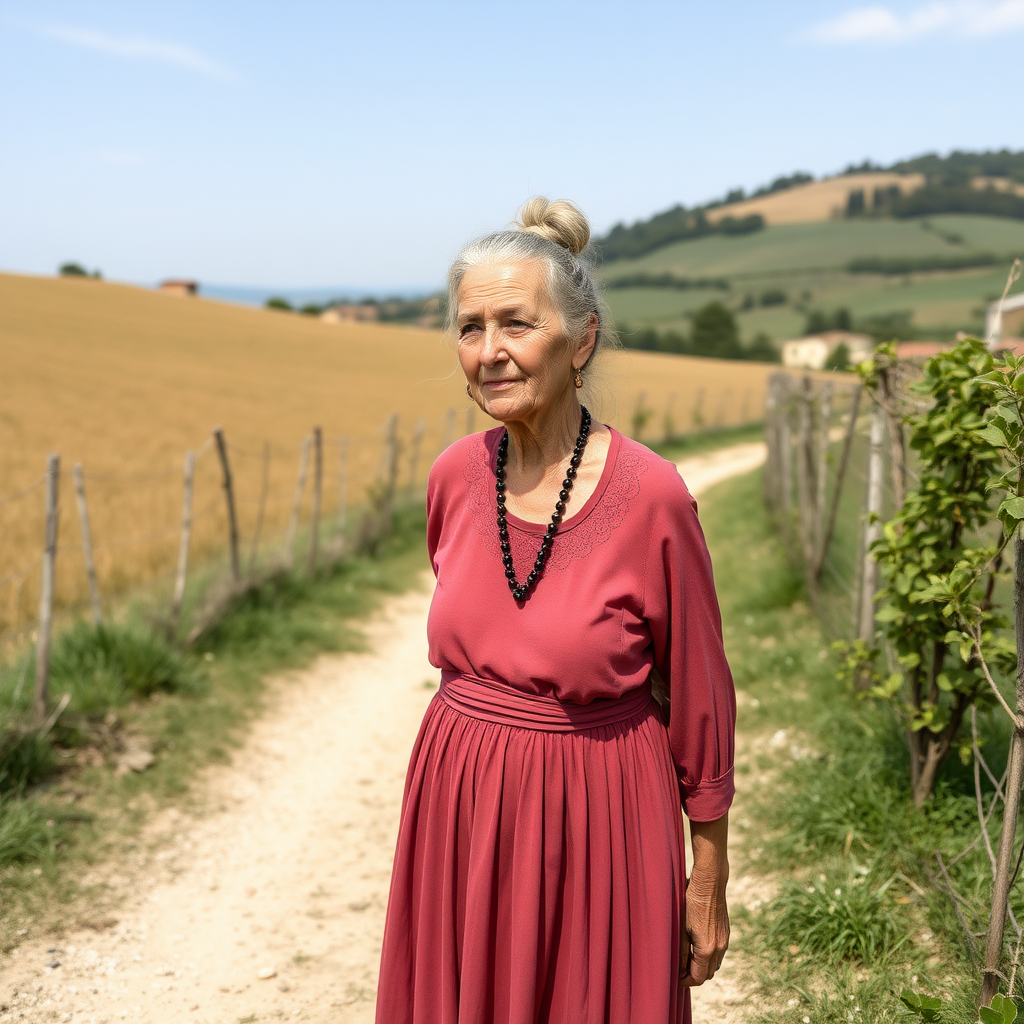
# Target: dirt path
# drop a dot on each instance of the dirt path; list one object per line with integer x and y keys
{"x": 270, "y": 906}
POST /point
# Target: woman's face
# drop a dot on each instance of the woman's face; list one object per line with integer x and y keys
{"x": 511, "y": 345}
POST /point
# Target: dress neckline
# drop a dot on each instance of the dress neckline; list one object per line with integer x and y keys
{"x": 524, "y": 525}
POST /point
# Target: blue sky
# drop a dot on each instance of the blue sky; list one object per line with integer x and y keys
{"x": 357, "y": 145}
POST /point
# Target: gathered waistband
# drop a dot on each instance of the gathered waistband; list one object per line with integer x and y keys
{"x": 502, "y": 704}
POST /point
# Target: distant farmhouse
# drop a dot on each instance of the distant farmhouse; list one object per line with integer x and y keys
{"x": 178, "y": 286}
{"x": 813, "y": 353}
{"x": 350, "y": 313}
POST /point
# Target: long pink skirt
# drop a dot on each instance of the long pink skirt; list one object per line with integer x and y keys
{"x": 539, "y": 873}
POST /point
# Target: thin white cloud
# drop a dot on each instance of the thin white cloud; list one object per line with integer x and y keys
{"x": 135, "y": 47}
{"x": 959, "y": 18}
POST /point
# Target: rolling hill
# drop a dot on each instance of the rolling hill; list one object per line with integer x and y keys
{"x": 811, "y": 262}
{"x": 926, "y": 242}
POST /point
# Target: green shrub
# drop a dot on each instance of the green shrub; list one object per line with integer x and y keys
{"x": 26, "y": 757}
{"x": 104, "y": 666}
{"x": 842, "y": 915}
{"x": 25, "y": 832}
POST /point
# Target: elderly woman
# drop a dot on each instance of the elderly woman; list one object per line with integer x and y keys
{"x": 539, "y": 876}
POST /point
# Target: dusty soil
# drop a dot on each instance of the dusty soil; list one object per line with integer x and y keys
{"x": 269, "y": 904}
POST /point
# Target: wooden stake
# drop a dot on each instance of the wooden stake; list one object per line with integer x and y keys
{"x": 785, "y": 454}
{"x": 698, "y": 409}
{"x": 837, "y": 487}
{"x": 872, "y": 527}
{"x": 343, "y": 487}
{"x": 821, "y": 471}
{"x": 229, "y": 496}
{"x": 46, "y": 592}
{"x": 722, "y": 407}
{"x": 805, "y": 488}
{"x": 414, "y": 456}
{"x": 318, "y": 485}
{"x": 1014, "y": 778}
{"x": 264, "y": 485}
{"x": 90, "y": 565}
{"x": 293, "y": 521}
{"x": 186, "y": 533}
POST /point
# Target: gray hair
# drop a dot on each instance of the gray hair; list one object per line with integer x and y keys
{"x": 557, "y": 234}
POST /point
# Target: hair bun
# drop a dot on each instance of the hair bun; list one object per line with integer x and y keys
{"x": 559, "y": 221}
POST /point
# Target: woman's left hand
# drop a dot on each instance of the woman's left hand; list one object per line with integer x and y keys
{"x": 707, "y": 914}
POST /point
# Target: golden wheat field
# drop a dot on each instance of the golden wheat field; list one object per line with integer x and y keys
{"x": 125, "y": 381}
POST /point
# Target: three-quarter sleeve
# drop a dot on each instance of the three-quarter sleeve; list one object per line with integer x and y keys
{"x": 682, "y": 610}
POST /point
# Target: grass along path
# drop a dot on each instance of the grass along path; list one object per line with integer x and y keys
{"x": 265, "y": 900}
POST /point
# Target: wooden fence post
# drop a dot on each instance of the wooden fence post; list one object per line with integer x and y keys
{"x": 260, "y": 508}
{"x": 785, "y": 453}
{"x": 391, "y": 475}
{"x": 769, "y": 488}
{"x": 229, "y": 496}
{"x": 723, "y": 403}
{"x": 186, "y": 532}
{"x": 293, "y": 521}
{"x": 807, "y": 490}
{"x": 821, "y": 472}
{"x": 889, "y": 392}
{"x": 872, "y": 527}
{"x": 90, "y": 565}
{"x": 698, "y": 409}
{"x": 1005, "y": 873}
{"x": 318, "y": 483}
{"x": 46, "y": 591}
{"x": 414, "y": 456}
{"x": 837, "y": 490}
{"x": 342, "y": 487}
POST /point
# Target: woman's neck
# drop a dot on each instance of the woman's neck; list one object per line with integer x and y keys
{"x": 537, "y": 445}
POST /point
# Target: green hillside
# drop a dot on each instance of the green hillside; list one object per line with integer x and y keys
{"x": 810, "y": 264}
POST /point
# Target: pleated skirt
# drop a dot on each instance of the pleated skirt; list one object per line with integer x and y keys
{"x": 538, "y": 875}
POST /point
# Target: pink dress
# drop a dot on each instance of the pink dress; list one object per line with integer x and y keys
{"x": 539, "y": 874}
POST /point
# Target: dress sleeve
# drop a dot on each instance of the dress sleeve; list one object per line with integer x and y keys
{"x": 686, "y": 626}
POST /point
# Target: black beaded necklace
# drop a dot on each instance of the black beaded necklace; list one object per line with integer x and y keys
{"x": 521, "y": 591}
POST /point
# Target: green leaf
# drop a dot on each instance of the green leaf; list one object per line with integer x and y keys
{"x": 910, "y": 999}
{"x": 993, "y": 435}
{"x": 989, "y": 1016}
{"x": 1006, "y": 1006}
{"x": 1012, "y": 506}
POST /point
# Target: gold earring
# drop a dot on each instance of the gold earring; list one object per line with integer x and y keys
{"x": 578, "y": 379}
{"x": 469, "y": 394}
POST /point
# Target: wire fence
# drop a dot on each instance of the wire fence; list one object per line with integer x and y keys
{"x": 127, "y": 528}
